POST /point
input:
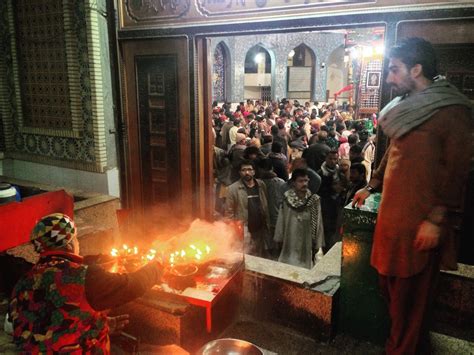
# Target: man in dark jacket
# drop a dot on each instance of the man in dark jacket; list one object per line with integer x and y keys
{"x": 279, "y": 161}
{"x": 331, "y": 193}
{"x": 275, "y": 186}
{"x": 277, "y": 138}
{"x": 357, "y": 181}
{"x": 236, "y": 155}
{"x": 57, "y": 306}
{"x": 317, "y": 152}
{"x": 266, "y": 147}
{"x": 247, "y": 202}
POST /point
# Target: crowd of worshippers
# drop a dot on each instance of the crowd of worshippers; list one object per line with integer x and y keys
{"x": 287, "y": 170}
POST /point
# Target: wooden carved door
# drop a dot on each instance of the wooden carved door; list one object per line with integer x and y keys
{"x": 158, "y": 128}
{"x": 157, "y": 137}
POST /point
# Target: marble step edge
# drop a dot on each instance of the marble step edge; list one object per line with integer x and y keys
{"x": 445, "y": 344}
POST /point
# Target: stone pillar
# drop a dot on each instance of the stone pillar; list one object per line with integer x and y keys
{"x": 280, "y": 75}
{"x": 323, "y": 45}
{"x": 240, "y": 51}
{"x": 320, "y": 77}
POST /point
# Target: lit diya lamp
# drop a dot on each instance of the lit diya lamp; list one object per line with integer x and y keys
{"x": 180, "y": 265}
{"x": 182, "y": 276}
{"x": 181, "y": 270}
{"x": 130, "y": 258}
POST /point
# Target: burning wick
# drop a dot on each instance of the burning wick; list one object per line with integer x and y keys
{"x": 151, "y": 254}
{"x": 182, "y": 256}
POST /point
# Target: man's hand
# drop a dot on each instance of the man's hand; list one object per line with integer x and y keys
{"x": 360, "y": 197}
{"x": 116, "y": 324}
{"x": 427, "y": 237}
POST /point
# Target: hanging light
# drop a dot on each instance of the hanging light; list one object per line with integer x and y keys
{"x": 259, "y": 58}
{"x": 291, "y": 54}
{"x": 356, "y": 52}
{"x": 367, "y": 52}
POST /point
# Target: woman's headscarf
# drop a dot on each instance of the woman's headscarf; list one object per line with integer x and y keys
{"x": 52, "y": 232}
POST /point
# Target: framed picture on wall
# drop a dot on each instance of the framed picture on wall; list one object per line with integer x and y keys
{"x": 373, "y": 79}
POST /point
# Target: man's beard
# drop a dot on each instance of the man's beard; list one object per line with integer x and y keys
{"x": 400, "y": 91}
{"x": 302, "y": 190}
{"x": 407, "y": 87}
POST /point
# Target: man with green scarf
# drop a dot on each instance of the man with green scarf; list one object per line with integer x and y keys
{"x": 423, "y": 174}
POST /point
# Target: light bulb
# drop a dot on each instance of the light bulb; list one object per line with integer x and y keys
{"x": 259, "y": 58}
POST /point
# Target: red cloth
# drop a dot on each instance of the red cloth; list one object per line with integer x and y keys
{"x": 345, "y": 88}
{"x": 17, "y": 219}
{"x": 69, "y": 324}
{"x": 410, "y": 303}
{"x": 425, "y": 168}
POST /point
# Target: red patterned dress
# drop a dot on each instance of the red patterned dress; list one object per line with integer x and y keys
{"x": 50, "y": 311}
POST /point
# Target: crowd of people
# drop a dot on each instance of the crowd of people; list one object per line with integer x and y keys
{"x": 287, "y": 170}
{"x": 324, "y": 159}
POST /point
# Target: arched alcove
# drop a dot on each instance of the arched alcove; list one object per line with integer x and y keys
{"x": 300, "y": 73}
{"x": 220, "y": 73}
{"x": 258, "y": 74}
{"x": 337, "y": 74}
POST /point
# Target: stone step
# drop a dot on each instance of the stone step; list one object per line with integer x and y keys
{"x": 454, "y": 309}
{"x": 445, "y": 344}
{"x": 302, "y": 299}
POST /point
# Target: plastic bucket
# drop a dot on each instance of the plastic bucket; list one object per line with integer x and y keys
{"x": 7, "y": 193}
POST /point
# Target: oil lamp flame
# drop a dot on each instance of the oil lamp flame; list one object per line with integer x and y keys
{"x": 197, "y": 251}
{"x": 189, "y": 254}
